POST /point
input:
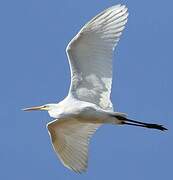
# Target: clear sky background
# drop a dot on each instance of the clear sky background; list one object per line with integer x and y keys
{"x": 34, "y": 71}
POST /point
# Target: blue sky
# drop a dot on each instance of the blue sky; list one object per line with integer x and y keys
{"x": 34, "y": 71}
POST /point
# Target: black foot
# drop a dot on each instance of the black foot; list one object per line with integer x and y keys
{"x": 156, "y": 126}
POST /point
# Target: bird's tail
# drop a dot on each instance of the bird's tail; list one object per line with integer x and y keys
{"x": 131, "y": 122}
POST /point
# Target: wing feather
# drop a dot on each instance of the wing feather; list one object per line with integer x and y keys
{"x": 90, "y": 56}
{"x": 70, "y": 139}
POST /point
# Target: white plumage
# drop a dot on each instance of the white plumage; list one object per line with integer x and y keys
{"x": 90, "y": 56}
{"x": 70, "y": 141}
{"x": 88, "y": 103}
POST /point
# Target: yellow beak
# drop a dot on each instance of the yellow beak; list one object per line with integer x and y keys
{"x": 34, "y": 108}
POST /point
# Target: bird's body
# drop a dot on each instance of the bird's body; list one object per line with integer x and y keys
{"x": 83, "y": 111}
{"x": 88, "y": 103}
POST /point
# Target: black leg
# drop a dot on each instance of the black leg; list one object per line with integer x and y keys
{"x": 141, "y": 124}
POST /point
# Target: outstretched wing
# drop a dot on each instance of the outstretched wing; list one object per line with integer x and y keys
{"x": 90, "y": 56}
{"x": 70, "y": 139}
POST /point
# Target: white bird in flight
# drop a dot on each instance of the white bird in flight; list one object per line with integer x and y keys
{"x": 88, "y": 105}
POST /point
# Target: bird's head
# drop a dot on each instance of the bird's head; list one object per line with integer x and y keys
{"x": 46, "y": 107}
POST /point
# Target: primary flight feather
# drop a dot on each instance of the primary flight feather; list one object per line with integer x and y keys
{"x": 88, "y": 103}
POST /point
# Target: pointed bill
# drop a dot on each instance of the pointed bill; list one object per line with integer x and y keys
{"x": 34, "y": 108}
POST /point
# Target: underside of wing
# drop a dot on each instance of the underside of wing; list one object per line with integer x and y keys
{"x": 70, "y": 139}
{"x": 90, "y": 56}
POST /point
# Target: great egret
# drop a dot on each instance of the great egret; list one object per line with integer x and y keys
{"x": 88, "y": 104}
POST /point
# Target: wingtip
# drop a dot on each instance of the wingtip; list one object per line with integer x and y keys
{"x": 117, "y": 6}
